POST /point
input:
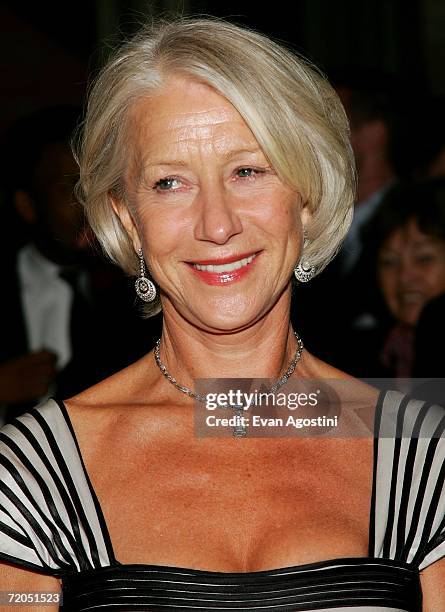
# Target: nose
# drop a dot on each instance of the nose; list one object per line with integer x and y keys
{"x": 408, "y": 272}
{"x": 217, "y": 217}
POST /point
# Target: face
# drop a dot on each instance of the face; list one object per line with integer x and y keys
{"x": 59, "y": 219}
{"x": 219, "y": 230}
{"x": 411, "y": 271}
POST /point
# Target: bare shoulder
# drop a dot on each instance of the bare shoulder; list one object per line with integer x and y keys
{"x": 357, "y": 399}
{"x": 97, "y": 413}
{"x": 125, "y": 385}
{"x": 314, "y": 367}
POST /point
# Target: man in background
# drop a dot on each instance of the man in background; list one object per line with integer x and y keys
{"x": 372, "y": 116}
{"x": 48, "y": 339}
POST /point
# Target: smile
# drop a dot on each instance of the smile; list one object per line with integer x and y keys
{"x": 228, "y": 267}
{"x": 213, "y": 273}
{"x": 411, "y": 297}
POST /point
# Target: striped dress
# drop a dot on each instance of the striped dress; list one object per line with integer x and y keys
{"x": 51, "y": 522}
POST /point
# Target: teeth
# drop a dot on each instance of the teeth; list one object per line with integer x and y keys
{"x": 230, "y": 267}
{"x": 411, "y": 298}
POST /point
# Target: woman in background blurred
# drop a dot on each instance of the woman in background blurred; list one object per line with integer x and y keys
{"x": 405, "y": 254}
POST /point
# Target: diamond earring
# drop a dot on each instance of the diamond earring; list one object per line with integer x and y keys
{"x": 303, "y": 272}
{"x": 145, "y": 289}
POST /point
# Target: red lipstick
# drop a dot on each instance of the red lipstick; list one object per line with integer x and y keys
{"x": 224, "y": 270}
{"x": 223, "y": 260}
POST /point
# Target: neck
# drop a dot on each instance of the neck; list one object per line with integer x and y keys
{"x": 263, "y": 350}
{"x": 374, "y": 173}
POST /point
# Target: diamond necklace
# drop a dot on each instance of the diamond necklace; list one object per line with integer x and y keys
{"x": 239, "y": 431}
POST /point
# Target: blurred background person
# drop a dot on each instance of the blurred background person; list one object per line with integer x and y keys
{"x": 404, "y": 264}
{"x": 370, "y": 105}
{"x": 59, "y": 296}
{"x": 45, "y": 273}
{"x": 420, "y": 150}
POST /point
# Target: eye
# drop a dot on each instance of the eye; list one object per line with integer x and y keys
{"x": 425, "y": 258}
{"x": 169, "y": 183}
{"x": 248, "y": 172}
{"x": 388, "y": 261}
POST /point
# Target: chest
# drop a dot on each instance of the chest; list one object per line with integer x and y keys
{"x": 225, "y": 508}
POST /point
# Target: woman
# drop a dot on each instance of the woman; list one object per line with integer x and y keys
{"x": 405, "y": 251}
{"x": 219, "y": 162}
{"x": 411, "y": 267}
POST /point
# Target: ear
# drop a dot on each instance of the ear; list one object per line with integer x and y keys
{"x": 126, "y": 218}
{"x": 24, "y": 205}
{"x": 305, "y": 212}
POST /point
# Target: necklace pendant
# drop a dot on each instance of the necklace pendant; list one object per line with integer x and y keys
{"x": 240, "y": 430}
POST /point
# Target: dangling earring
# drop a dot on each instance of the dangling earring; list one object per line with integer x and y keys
{"x": 144, "y": 287}
{"x": 303, "y": 272}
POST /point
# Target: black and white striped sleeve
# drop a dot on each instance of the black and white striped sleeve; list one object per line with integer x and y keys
{"x": 48, "y": 516}
{"x": 409, "y": 481}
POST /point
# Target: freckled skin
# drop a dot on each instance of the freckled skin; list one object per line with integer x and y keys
{"x": 411, "y": 271}
{"x": 210, "y": 212}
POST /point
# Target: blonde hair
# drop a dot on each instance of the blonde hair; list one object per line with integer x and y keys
{"x": 293, "y": 112}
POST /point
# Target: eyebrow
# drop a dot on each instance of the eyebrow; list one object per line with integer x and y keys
{"x": 430, "y": 241}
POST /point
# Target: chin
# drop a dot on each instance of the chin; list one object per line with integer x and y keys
{"x": 409, "y": 320}
{"x": 226, "y": 316}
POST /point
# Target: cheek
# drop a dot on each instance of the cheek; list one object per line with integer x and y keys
{"x": 160, "y": 231}
{"x": 435, "y": 280}
{"x": 387, "y": 283}
{"x": 282, "y": 220}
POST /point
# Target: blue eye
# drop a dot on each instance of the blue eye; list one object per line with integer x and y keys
{"x": 247, "y": 172}
{"x": 166, "y": 184}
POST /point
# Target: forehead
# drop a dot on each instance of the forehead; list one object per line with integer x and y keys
{"x": 186, "y": 112}
{"x": 409, "y": 236}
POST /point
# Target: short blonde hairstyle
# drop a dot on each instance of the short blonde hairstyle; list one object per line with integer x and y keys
{"x": 293, "y": 112}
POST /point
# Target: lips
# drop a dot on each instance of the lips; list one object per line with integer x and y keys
{"x": 411, "y": 297}
{"x": 224, "y": 270}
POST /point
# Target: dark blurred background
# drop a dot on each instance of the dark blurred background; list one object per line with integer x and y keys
{"x": 49, "y": 48}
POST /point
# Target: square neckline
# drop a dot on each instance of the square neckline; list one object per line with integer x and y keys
{"x": 306, "y": 566}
